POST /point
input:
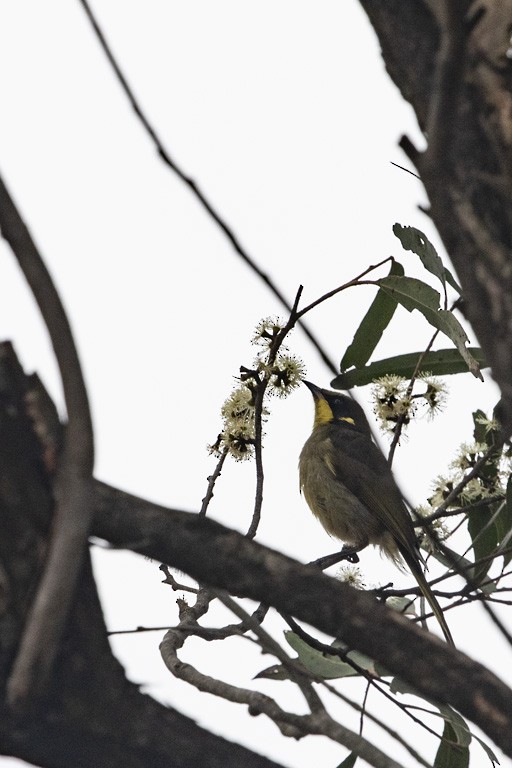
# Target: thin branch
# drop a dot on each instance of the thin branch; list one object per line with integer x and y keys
{"x": 193, "y": 186}
{"x": 390, "y": 731}
{"x": 342, "y": 654}
{"x": 355, "y": 281}
{"x": 269, "y": 645}
{"x": 289, "y": 724}
{"x": 211, "y": 482}
{"x": 203, "y": 548}
{"x": 73, "y": 484}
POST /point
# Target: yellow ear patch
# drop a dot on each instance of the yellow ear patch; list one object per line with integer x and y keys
{"x": 347, "y": 419}
{"x": 323, "y": 412}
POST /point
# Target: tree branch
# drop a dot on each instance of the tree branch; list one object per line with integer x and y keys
{"x": 223, "y": 558}
{"x": 194, "y": 187}
{"x": 73, "y": 511}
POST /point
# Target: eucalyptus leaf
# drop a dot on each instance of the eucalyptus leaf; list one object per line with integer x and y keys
{"x": 506, "y": 539}
{"x": 490, "y": 754}
{"x": 479, "y": 433}
{"x": 414, "y": 240}
{"x": 415, "y": 294}
{"x": 484, "y": 540}
{"x": 450, "y": 754}
{"x": 442, "y": 362}
{"x": 459, "y": 725}
{"x": 317, "y": 663}
{"x": 411, "y": 293}
{"x": 349, "y": 761}
{"x": 372, "y": 326}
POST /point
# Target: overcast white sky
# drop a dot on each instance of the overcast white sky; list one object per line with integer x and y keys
{"x": 283, "y": 114}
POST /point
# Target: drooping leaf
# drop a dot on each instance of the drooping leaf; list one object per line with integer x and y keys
{"x": 490, "y": 754}
{"x": 448, "y": 324}
{"x": 506, "y": 536}
{"x": 479, "y": 433}
{"x": 275, "y": 672}
{"x": 443, "y": 362}
{"x": 451, "y": 559}
{"x": 411, "y": 293}
{"x": 450, "y": 754}
{"x": 452, "y": 281}
{"x": 372, "y": 326}
{"x": 415, "y": 294}
{"x": 484, "y": 539}
{"x": 459, "y": 725}
{"x": 329, "y": 667}
{"x": 414, "y": 240}
{"x": 318, "y": 663}
{"x": 349, "y": 761}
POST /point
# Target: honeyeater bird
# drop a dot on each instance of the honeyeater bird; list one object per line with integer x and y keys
{"x": 350, "y": 488}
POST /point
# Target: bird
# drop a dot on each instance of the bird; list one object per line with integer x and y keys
{"x": 349, "y": 486}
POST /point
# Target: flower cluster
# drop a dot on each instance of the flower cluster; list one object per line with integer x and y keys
{"x": 438, "y": 528}
{"x": 394, "y": 402}
{"x": 274, "y": 372}
{"x": 491, "y": 479}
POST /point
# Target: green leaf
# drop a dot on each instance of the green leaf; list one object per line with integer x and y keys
{"x": 411, "y": 293}
{"x": 459, "y": 725}
{"x": 479, "y": 433}
{"x": 450, "y": 754}
{"x": 318, "y": 663}
{"x": 398, "y": 685}
{"x": 448, "y": 324}
{"x": 275, "y": 672}
{"x": 415, "y": 294}
{"x": 414, "y": 240}
{"x": 451, "y": 559}
{"x": 443, "y": 362}
{"x": 452, "y": 281}
{"x": 403, "y": 605}
{"x": 506, "y": 523}
{"x": 490, "y": 754}
{"x": 372, "y": 326}
{"x": 349, "y": 761}
{"x": 484, "y": 538}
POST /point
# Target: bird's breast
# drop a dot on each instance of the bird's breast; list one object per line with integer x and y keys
{"x": 341, "y": 513}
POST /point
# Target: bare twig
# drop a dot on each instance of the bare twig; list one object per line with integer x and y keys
{"x": 289, "y": 724}
{"x": 269, "y": 645}
{"x": 73, "y": 483}
{"x": 211, "y": 482}
{"x": 194, "y": 188}
{"x": 394, "y": 734}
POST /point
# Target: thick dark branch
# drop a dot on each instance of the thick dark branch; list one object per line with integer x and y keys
{"x": 223, "y": 558}
{"x": 73, "y": 511}
{"x": 460, "y": 90}
{"x": 88, "y": 714}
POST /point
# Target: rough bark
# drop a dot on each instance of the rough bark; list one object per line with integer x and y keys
{"x": 90, "y": 714}
{"x": 451, "y": 63}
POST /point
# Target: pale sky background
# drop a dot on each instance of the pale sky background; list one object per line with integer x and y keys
{"x": 283, "y": 114}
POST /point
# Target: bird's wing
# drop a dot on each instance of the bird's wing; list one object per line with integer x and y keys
{"x": 362, "y": 468}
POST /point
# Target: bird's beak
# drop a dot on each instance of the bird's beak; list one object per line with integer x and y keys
{"x": 315, "y": 391}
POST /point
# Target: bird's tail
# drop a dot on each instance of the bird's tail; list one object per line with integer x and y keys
{"x": 417, "y": 572}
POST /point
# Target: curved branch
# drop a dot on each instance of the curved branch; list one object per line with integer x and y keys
{"x": 73, "y": 511}
{"x": 215, "y": 555}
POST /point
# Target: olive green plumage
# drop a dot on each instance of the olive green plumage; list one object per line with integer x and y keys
{"x": 350, "y": 488}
